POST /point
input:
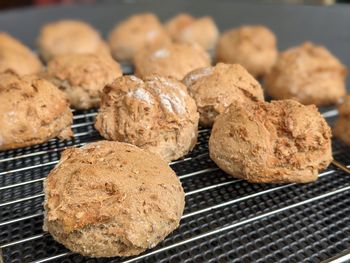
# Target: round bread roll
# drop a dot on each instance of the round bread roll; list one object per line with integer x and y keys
{"x": 16, "y": 57}
{"x": 82, "y": 77}
{"x": 111, "y": 199}
{"x": 32, "y": 111}
{"x": 70, "y": 36}
{"x": 278, "y": 142}
{"x": 254, "y": 47}
{"x": 309, "y": 74}
{"x": 156, "y": 114}
{"x": 215, "y": 88}
{"x": 136, "y": 33}
{"x": 185, "y": 28}
{"x": 173, "y": 60}
{"x": 342, "y": 124}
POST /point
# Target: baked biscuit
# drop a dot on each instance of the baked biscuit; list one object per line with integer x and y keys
{"x": 32, "y": 111}
{"x": 215, "y": 88}
{"x": 185, "y": 28}
{"x": 309, "y": 74}
{"x": 70, "y": 36}
{"x": 173, "y": 60}
{"x": 156, "y": 114}
{"x": 111, "y": 199}
{"x": 136, "y": 33}
{"x": 16, "y": 57}
{"x": 342, "y": 124}
{"x": 278, "y": 142}
{"x": 254, "y": 47}
{"x": 82, "y": 77}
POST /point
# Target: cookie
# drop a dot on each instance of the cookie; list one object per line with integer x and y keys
{"x": 111, "y": 199}
{"x": 278, "y": 142}
{"x": 156, "y": 114}
{"x": 309, "y": 74}
{"x": 82, "y": 77}
{"x": 215, "y": 88}
{"x": 254, "y": 47}
{"x": 342, "y": 124}
{"x": 32, "y": 111}
{"x": 173, "y": 60}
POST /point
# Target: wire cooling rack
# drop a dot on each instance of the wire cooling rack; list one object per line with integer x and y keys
{"x": 225, "y": 219}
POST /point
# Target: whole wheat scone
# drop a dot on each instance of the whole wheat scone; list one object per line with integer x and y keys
{"x": 156, "y": 114}
{"x": 186, "y": 28}
{"x": 278, "y": 142}
{"x": 69, "y": 36}
{"x": 215, "y": 88}
{"x": 111, "y": 199}
{"x": 135, "y": 33}
{"x": 16, "y": 57}
{"x": 342, "y": 124}
{"x": 173, "y": 60}
{"x": 309, "y": 74}
{"x": 82, "y": 77}
{"x": 32, "y": 111}
{"x": 254, "y": 47}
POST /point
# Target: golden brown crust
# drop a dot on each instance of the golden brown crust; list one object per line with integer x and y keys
{"x": 278, "y": 142}
{"x": 32, "y": 111}
{"x": 254, "y": 47}
{"x": 156, "y": 114}
{"x": 309, "y": 74}
{"x": 173, "y": 60}
{"x": 342, "y": 124}
{"x": 16, "y": 57}
{"x": 187, "y": 29}
{"x": 215, "y": 88}
{"x": 111, "y": 199}
{"x": 82, "y": 77}
{"x": 136, "y": 33}
{"x": 69, "y": 36}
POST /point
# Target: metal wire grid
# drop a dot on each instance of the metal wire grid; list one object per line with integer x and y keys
{"x": 225, "y": 219}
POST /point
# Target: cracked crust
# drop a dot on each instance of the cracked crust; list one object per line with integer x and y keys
{"x": 111, "y": 199}
{"x": 156, "y": 114}
{"x": 277, "y": 142}
{"x": 215, "y": 88}
{"x": 342, "y": 124}
{"x": 32, "y": 111}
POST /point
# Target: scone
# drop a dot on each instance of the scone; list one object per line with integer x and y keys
{"x": 156, "y": 114}
{"x": 82, "y": 77}
{"x": 342, "y": 125}
{"x": 69, "y": 36}
{"x": 32, "y": 111}
{"x": 254, "y": 47}
{"x": 16, "y": 57}
{"x": 278, "y": 142}
{"x": 309, "y": 74}
{"x": 111, "y": 199}
{"x": 188, "y": 29}
{"x": 136, "y": 33}
{"x": 173, "y": 60}
{"x": 215, "y": 88}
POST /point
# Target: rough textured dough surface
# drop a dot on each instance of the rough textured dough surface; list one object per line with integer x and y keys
{"x": 188, "y": 29}
{"x": 111, "y": 199}
{"x": 32, "y": 111}
{"x": 278, "y": 142}
{"x": 342, "y": 124}
{"x": 156, "y": 114}
{"x": 253, "y": 47}
{"x": 215, "y": 88}
{"x": 173, "y": 60}
{"x": 136, "y": 33}
{"x": 309, "y": 74}
{"x": 16, "y": 57}
{"x": 82, "y": 77}
{"x": 70, "y": 36}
